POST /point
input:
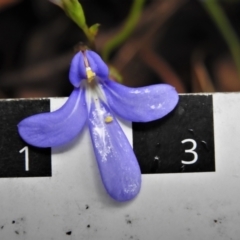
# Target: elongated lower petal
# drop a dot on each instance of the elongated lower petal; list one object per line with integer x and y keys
{"x": 117, "y": 163}
{"x": 141, "y": 104}
{"x": 58, "y": 127}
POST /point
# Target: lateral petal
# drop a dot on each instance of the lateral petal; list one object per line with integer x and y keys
{"x": 117, "y": 163}
{"x": 142, "y": 104}
{"x": 58, "y": 127}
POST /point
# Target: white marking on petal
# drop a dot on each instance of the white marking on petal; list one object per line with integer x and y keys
{"x": 93, "y": 91}
{"x": 159, "y": 105}
{"x": 99, "y": 130}
{"x": 147, "y": 90}
{"x": 135, "y": 91}
{"x": 156, "y": 106}
{"x": 94, "y": 94}
{"x": 100, "y": 134}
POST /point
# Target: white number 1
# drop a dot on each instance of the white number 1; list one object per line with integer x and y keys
{"x": 25, "y": 149}
{"x": 195, "y": 158}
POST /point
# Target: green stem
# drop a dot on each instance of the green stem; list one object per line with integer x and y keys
{"x": 127, "y": 29}
{"x": 74, "y": 10}
{"x": 89, "y": 36}
{"x": 222, "y": 22}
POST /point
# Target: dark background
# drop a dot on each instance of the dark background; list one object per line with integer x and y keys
{"x": 175, "y": 41}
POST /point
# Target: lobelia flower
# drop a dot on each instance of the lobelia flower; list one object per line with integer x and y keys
{"x": 94, "y": 100}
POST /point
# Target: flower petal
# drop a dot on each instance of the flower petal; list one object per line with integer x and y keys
{"x": 58, "y": 127}
{"x": 78, "y": 70}
{"x": 117, "y": 163}
{"x": 140, "y": 104}
{"x": 97, "y": 64}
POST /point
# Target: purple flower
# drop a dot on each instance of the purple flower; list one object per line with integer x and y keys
{"x": 94, "y": 100}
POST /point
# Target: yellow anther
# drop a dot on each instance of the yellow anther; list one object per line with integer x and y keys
{"x": 90, "y": 74}
{"x": 108, "y": 119}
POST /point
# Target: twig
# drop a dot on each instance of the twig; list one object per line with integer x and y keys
{"x": 160, "y": 12}
{"x": 162, "y": 68}
{"x": 201, "y": 80}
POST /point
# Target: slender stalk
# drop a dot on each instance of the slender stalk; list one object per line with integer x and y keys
{"x": 227, "y": 31}
{"x": 127, "y": 29}
{"x": 74, "y": 10}
{"x": 90, "y": 37}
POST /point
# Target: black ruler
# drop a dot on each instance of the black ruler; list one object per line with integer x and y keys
{"x": 18, "y": 159}
{"x": 183, "y": 141}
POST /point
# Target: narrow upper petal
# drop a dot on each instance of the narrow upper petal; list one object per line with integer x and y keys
{"x": 78, "y": 69}
{"x": 117, "y": 163}
{"x": 97, "y": 64}
{"x": 58, "y": 127}
{"x": 140, "y": 104}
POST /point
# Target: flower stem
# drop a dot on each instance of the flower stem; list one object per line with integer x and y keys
{"x": 90, "y": 37}
{"x": 227, "y": 31}
{"x": 74, "y": 10}
{"x": 127, "y": 29}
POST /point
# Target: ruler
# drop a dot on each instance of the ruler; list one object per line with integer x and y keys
{"x": 190, "y": 163}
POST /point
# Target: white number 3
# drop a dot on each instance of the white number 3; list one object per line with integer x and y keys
{"x": 191, "y": 151}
